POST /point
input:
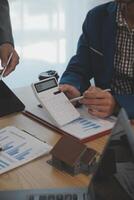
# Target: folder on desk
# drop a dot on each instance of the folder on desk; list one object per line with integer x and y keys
{"x": 85, "y": 128}
{"x": 9, "y": 102}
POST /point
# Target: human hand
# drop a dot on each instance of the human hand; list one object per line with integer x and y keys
{"x": 69, "y": 90}
{"x": 5, "y": 51}
{"x": 100, "y": 103}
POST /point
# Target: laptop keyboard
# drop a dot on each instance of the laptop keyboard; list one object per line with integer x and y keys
{"x": 54, "y": 197}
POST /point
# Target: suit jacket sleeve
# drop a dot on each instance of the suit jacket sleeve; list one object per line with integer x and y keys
{"x": 5, "y": 24}
{"x": 78, "y": 72}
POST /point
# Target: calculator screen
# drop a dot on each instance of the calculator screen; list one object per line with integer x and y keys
{"x": 45, "y": 85}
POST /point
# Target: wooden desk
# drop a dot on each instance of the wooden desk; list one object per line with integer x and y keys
{"x": 38, "y": 174}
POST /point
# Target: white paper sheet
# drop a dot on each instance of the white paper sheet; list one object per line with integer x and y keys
{"x": 19, "y": 148}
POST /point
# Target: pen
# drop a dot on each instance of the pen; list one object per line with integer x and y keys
{"x": 34, "y": 136}
{"x": 6, "y": 65}
{"x": 96, "y": 51}
{"x": 76, "y": 99}
{"x": 81, "y": 97}
{"x": 107, "y": 90}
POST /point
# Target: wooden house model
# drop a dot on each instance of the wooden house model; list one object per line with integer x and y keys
{"x": 72, "y": 156}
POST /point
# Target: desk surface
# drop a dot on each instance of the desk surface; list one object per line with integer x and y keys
{"x": 39, "y": 174}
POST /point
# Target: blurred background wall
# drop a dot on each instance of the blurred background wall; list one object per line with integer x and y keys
{"x": 46, "y": 34}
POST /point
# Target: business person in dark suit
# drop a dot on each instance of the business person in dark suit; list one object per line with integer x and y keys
{"x": 6, "y": 39}
{"x": 105, "y": 52}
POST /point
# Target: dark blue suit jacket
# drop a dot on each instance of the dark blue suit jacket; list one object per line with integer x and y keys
{"x": 95, "y": 54}
{"x": 5, "y": 24}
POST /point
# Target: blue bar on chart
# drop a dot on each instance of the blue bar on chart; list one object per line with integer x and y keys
{"x": 3, "y": 164}
{"x": 15, "y": 150}
{"x": 23, "y": 155}
{"x": 88, "y": 124}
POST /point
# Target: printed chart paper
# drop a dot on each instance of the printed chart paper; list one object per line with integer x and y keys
{"x": 18, "y": 148}
{"x": 86, "y": 127}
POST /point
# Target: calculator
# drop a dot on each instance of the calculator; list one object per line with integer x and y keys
{"x": 54, "y": 102}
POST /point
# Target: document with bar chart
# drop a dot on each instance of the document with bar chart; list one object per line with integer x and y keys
{"x": 85, "y": 128}
{"x": 18, "y": 148}
{"x": 88, "y": 127}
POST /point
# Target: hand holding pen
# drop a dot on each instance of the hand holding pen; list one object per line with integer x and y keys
{"x": 100, "y": 102}
{"x": 82, "y": 97}
{"x": 9, "y": 59}
{"x": 6, "y": 65}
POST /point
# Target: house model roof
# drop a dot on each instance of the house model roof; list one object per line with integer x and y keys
{"x": 68, "y": 150}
